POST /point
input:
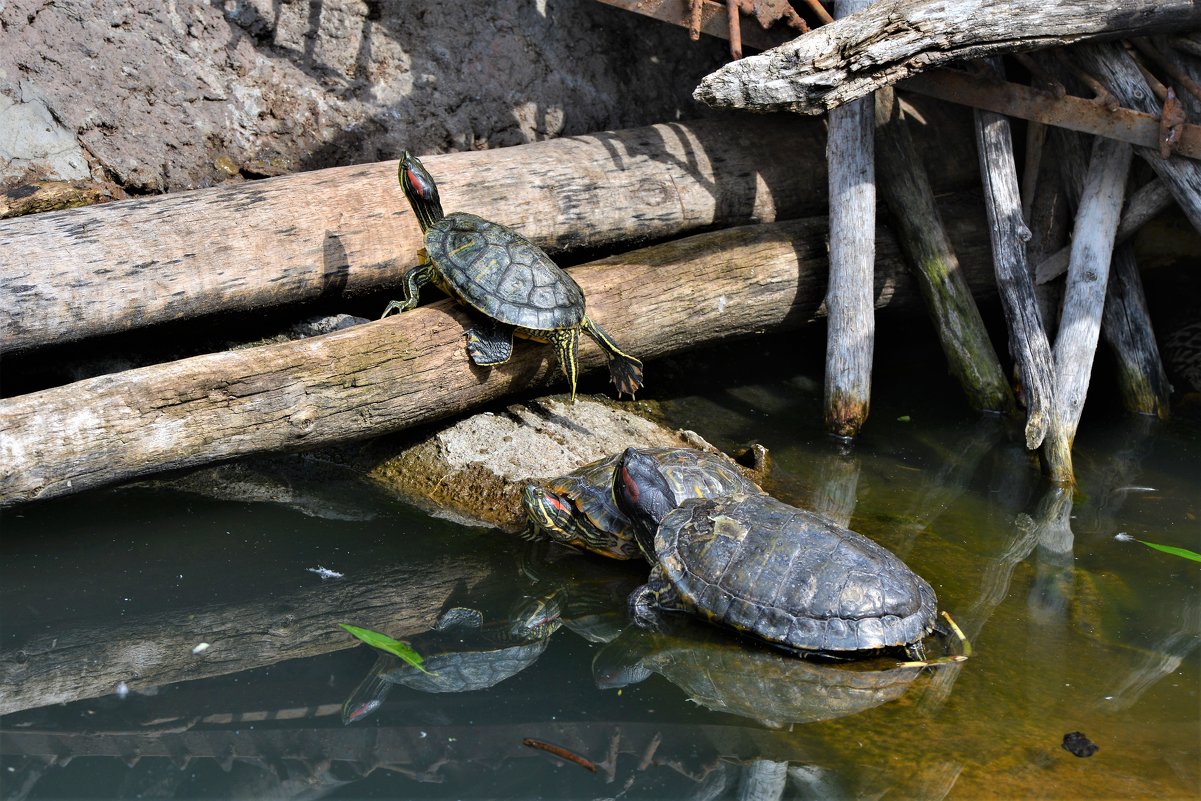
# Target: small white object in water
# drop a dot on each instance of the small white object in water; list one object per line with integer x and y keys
{"x": 1122, "y": 536}
{"x": 721, "y": 304}
{"x": 200, "y": 648}
{"x": 1137, "y": 489}
{"x": 324, "y": 572}
{"x": 122, "y": 690}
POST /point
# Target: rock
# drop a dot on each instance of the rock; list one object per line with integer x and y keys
{"x": 169, "y": 96}
{"x": 474, "y": 471}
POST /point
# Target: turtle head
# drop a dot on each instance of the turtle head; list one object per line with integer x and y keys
{"x": 644, "y": 495}
{"x": 420, "y": 189}
{"x": 557, "y": 517}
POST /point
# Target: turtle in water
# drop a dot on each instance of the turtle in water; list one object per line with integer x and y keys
{"x": 578, "y": 509}
{"x": 506, "y": 277}
{"x": 461, "y": 653}
{"x": 745, "y": 679}
{"x": 759, "y": 566}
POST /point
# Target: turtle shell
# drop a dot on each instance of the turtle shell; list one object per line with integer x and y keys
{"x": 690, "y": 473}
{"x": 791, "y": 577}
{"x": 504, "y": 275}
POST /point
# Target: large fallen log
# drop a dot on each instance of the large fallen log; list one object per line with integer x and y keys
{"x": 412, "y": 368}
{"x": 104, "y": 269}
{"x": 894, "y": 39}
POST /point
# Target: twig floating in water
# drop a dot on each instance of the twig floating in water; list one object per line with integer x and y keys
{"x": 560, "y": 752}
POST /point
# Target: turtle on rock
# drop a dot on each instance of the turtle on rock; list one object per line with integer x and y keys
{"x": 781, "y": 574}
{"x": 506, "y": 277}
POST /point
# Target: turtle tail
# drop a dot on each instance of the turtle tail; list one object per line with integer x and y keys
{"x": 624, "y": 369}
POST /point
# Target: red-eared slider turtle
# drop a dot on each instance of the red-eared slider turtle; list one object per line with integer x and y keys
{"x": 508, "y": 278}
{"x": 759, "y": 683}
{"x": 753, "y": 563}
{"x": 461, "y": 653}
{"x": 578, "y": 509}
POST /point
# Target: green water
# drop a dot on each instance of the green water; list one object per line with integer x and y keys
{"x": 1071, "y": 629}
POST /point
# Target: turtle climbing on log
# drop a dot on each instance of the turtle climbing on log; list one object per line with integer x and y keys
{"x": 506, "y": 277}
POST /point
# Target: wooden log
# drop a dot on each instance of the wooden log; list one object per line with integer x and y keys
{"x": 1080, "y": 322}
{"x": 1050, "y": 221}
{"x": 851, "y": 331}
{"x": 905, "y": 187}
{"x": 1144, "y": 204}
{"x": 1009, "y": 234}
{"x": 70, "y": 663}
{"x": 1126, "y": 326}
{"x": 412, "y": 368}
{"x": 1118, "y": 73}
{"x": 893, "y": 39}
{"x": 72, "y": 274}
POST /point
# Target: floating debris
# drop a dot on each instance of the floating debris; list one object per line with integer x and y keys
{"x": 200, "y": 648}
{"x": 1074, "y": 742}
{"x": 325, "y": 572}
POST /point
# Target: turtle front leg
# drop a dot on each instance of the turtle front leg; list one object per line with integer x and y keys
{"x": 413, "y": 281}
{"x": 624, "y": 370}
{"x": 566, "y": 342}
{"x": 490, "y": 343}
{"x": 655, "y": 596}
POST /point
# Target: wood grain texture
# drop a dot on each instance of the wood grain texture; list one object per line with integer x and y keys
{"x": 893, "y": 39}
{"x": 104, "y": 269}
{"x": 1084, "y": 298}
{"x": 851, "y": 331}
{"x": 906, "y": 191}
{"x": 1127, "y": 328}
{"x": 412, "y": 368}
{"x": 1009, "y": 234}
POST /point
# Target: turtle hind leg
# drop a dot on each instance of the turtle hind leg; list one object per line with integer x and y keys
{"x": 624, "y": 369}
{"x": 413, "y": 281}
{"x": 566, "y": 342}
{"x": 490, "y": 343}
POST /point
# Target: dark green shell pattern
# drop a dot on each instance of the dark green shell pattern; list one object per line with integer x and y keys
{"x": 502, "y": 274}
{"x": 791, "y": 577}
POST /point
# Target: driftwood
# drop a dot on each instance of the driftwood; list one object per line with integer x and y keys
{"x": 412, "y": 368}
{"x": 1088, "y": 275}
{"x": 1027, "y": 339}
{"x": 905, "y": 188}
{"x": 103, "y": 269}
{"x": 851, "y": 329}
{"x": 893, "y": 39}
{"x": 1118, "y": 73}
{"x": 67, "y": 664}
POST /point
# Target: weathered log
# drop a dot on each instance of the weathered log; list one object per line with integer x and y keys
{"x": 412, "y": 368}
{"x": 851, "y": 330}
{"x": 1116, "y": 70}
{"x": 893, "y": 39}
{"x": 70, "y": 663}
{"x": 1126, "y": 326}
{"x": 1080, "y": 322}
{"x": 1143, "y": 205}
{"x": 905, "y": 187}
{"x": 77, "y": 273}
{"x": 1050, "y": 222}
{"x": 1009, "y": 234}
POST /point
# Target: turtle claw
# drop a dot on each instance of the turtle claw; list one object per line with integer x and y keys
{"x": 397, "y": 306}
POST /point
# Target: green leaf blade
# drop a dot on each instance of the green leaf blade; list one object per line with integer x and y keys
{"x": 1172, "y": 549}
{"x": 385, "y": 643}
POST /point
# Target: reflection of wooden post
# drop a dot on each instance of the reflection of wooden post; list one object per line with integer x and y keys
{"x": 1027, "y": 339}
{"x": 852, "y": 323}
{"x": 1088, "y": 274}
{"x": 933, "y": 263}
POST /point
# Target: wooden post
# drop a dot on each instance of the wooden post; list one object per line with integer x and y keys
{"x": 933, "y": 263}
{"x": 852, "y": 323}
{"x": 1027, "y": 339}
{"x": 1080, "y": 323}
{"x": 1127, "y": 328}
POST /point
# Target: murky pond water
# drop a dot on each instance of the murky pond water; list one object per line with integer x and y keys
{"x": 108, "y": 597}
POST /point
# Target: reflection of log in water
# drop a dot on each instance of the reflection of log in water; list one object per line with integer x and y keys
{"x": 835, "y": 484}
{"x": 1164, "y": 658}
{"x": 74, "y": 663}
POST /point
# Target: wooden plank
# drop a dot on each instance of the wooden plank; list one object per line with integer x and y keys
{"x": 412, "y": 368}
{"x": 893, "y": 39}
{"x": 348, "y": 230}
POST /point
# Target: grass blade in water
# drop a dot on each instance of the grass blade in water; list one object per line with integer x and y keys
{"x": 1172, "y": 549}
{"x": 385, "y": 643}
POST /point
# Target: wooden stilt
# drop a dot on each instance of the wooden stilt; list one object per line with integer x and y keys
{"x": 852, "y": 324}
